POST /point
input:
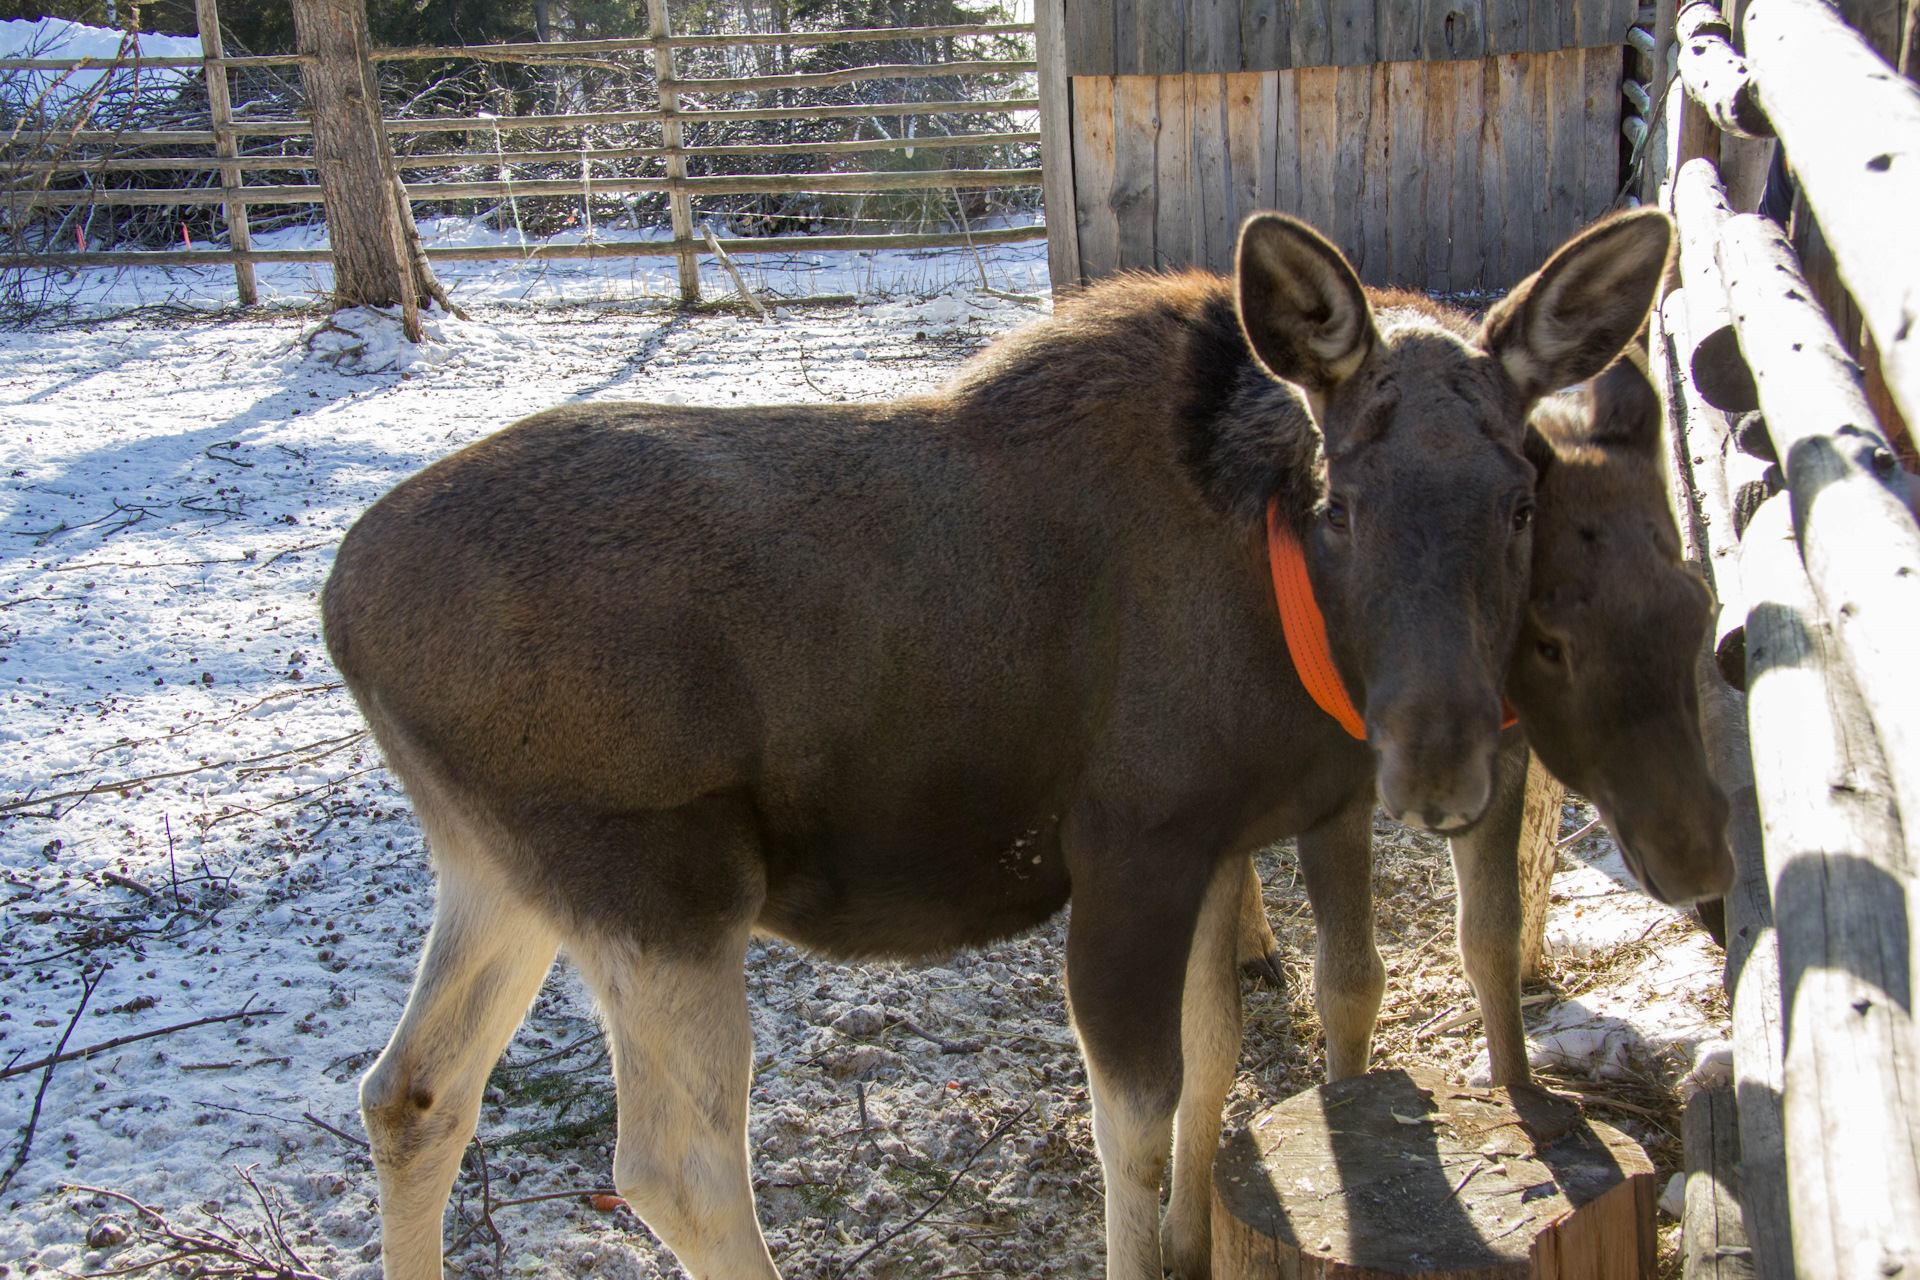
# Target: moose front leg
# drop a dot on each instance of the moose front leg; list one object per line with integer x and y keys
{"x": 1127, "y": 961}
{"x": 1486, "y": 869}
{"x": 1336, "y": 861}
{"x": 1210, "y": 1029}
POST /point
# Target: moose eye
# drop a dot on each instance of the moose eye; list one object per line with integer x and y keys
{"x": 1336, "y": 513}
{"x": 1522, "y": 516}
{"x": 1548, "y": 650}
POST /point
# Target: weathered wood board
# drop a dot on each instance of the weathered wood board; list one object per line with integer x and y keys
{"x": 1397, "y": 1173}
{"x": 1445, "y": 175}
{"x": 1213, "y": 37}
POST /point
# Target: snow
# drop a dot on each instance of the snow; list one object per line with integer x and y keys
{"x": 58, "y": 38}
{"x": 171, "y": 493}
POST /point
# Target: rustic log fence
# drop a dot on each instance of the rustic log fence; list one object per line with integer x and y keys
{"x": 1791, "y": 362}
{"x": 368, "y": 233}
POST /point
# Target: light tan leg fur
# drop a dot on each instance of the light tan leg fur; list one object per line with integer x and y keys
{"x": 1210, "y": 1029}
{"x": 486, "y": 957}
{"x": 683, "y": 1059}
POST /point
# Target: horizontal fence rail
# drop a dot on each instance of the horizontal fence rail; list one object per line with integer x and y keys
{"x": 682, "y": 98}
{"x": 554, "y": 252}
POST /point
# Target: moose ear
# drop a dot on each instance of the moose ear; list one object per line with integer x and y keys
{"x": 1626, "y": 408}
{"x": 1301, "y": 306}
{"x": 1568, "y": 320}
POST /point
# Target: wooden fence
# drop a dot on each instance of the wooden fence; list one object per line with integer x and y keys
{"x": 1792, "y": 363}
{"x": 345, "y": 59}
{"x": 1447, "y": 147}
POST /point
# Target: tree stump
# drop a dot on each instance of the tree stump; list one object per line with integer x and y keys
{"x": 1397, "y": 1174}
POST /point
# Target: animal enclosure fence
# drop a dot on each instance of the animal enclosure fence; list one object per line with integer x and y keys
{"x": 1791, "y": 363}
{"x": 947, "y": 138}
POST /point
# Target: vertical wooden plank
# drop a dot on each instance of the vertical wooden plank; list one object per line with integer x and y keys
{"x": 1250, "y": 114}
{"x": 1603, "y": 67}
{"x": 1265, "y": 43}
{"x": 1538, "y": 140}
{"x": 1353, "y": 111}
{"x": 1376, "y": 236}
{"x": 1213, "y": 179}
{"x": 1568, "y": 142}
{"x": 1355, "y": 37}
{"x": 1519, "y": 209}
{"x": 1463, "y": 232}
{"x": 1310, "y": 33}
{"x": 1126, "y": 36}
{"x": 1093, "y": 176}
{"x": 1161, "y": 32}
{"x": 1543, "y": 25}
{"x": 1493, "y": 176}
{"x": 1136, "y": 132}
{"x": 1089, "y": 37}
{"x": 1399, "y": 25}
{"x": 1056, "y": 144}
{"x": 1571, "y": 21}
{"x": 1213, "y": 37}
{"x": 1442, "y": 127}
{"x": 1175, "y": 219}
{"x": 1508, "y": 24}
{"x": 1453, "y": 28}
{"x": 679, "y": 203}
{"x": 1279, "y": 141}
{"x": 1407, "y": 87}
{"x": 239, "y": 230}
{"x": 1319, "y": 116}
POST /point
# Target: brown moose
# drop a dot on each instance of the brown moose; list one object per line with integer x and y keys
{"x": 888, "y": 680}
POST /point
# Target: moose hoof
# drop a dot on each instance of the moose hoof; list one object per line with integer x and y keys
{"x": 1265, "y": 969}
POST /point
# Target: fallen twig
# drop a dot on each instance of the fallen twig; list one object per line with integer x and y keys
{"x": 33, "y": 1120}
{"x": 122, "y": 785}
{"x": 946, "y": 1046}
{"x": 115, "y": 1043}
{"x": 128, "y": 882}
{"x": 344, "y": 1136}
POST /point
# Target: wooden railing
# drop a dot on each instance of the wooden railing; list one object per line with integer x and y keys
{"x": 29, "y": 187}
{"x": 1792, "y": 358}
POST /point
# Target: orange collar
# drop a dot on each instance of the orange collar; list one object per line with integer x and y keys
{"x": 1306, "y": 630}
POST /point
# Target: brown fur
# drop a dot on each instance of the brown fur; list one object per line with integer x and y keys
{"x": 891, "y": 679}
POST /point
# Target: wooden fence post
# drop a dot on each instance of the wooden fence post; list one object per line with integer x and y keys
{"x": 370, "y": 259}
{"x": 1056, "y": 143}
{"x": 679, "y": 203}
{"x": 239, "y": 237}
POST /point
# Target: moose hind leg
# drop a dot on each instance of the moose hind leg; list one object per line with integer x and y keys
{"x": 485, "y": 959}
{"x": 1210, "y": 1027}
{"x": 682, "y": 1045}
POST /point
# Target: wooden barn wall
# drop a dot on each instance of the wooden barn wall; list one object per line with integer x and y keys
{"x": 1451, "y": 175}
{"x": 1217, "y": 37}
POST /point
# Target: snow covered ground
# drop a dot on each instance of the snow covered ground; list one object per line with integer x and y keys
{"x": 193, "y": 824}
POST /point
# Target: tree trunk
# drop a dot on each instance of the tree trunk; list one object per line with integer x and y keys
{"x": 370, "y": 260}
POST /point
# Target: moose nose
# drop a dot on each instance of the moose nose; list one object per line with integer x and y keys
{"x": 1443, "y": 794}
{"x": 1433, "y": 758}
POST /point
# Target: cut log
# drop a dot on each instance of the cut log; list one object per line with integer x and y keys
{"x": 1840, "y": 877}
{"x": 1398, "y": 1174}
{"x": 1714, "y": 1246}
{"x": 1716, "y": 74}
{"x": 1719, "y": 371}
{"x": 1853, "y": 130}
{"x": 1861, "y": 546}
